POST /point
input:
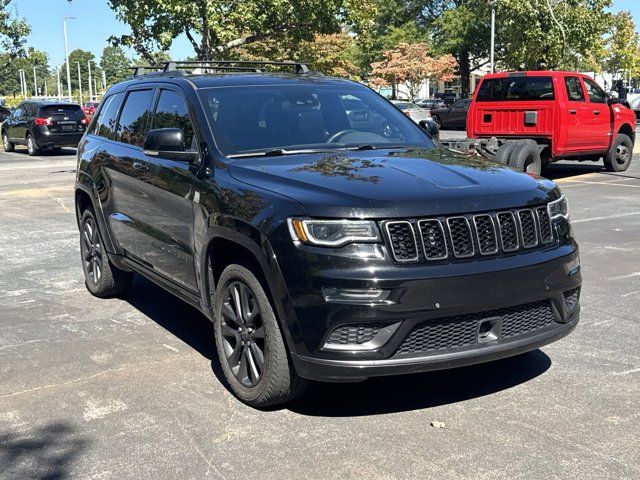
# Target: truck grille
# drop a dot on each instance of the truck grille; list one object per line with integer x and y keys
{"x": 464, "y": 330}
{"x": 467, "y": 236}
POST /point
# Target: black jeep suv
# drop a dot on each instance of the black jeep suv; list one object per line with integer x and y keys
{"x": 44, "y": 126}
{"x": 319, "y": 249}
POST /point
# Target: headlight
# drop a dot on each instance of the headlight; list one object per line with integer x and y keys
{"x": 559, "y": 208}
{"x": 333, "y": 233}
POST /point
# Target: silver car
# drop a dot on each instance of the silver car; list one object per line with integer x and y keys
{"x": 413, "y": 111}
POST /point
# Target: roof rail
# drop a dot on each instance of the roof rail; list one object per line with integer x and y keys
{"x": 142, "y": 69}
{"x": 241, "y": 65}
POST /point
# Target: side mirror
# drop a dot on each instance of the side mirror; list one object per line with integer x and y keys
{"x": 169, "y": 143}
{"x": 431, "y": 128}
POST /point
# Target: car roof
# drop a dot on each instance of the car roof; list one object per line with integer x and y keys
{"x": 534, "y": 73}
{"x": 47, "y": 103}
{"x": 213, "y": 80}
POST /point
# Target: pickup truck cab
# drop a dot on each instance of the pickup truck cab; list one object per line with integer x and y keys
{"x": 566, "y": 114}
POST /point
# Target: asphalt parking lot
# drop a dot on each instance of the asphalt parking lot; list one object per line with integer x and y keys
{"x": 118, "y": 389}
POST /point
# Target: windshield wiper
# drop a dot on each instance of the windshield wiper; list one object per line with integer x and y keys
{"x": 368, "y": 146}
{"x": 278, "y": 152}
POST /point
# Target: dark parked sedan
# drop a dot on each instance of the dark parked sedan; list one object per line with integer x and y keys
{"x": 44, "y": 126}
{"x": 454, "y": 116}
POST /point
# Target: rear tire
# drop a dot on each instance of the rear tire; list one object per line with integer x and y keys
{"x": 251, "y": 349}
{"x": 6, "y": 143}
{"x": 32, "y": 147}
{"x": 620, "y": 155}
{"x": 504, "y": 153}
{"x": 526, "y": 158}
{"x": 102, "y": 279}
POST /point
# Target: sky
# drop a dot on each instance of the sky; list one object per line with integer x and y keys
{"x": 95, "y": 22}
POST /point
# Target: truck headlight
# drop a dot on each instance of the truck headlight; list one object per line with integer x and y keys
{"x": 559, "y": 208}
{"x": 333, "y": 233}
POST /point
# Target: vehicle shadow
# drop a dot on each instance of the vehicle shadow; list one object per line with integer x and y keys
{"x": 557, "y": 171}
{"x": 418, "y": 391}
{"x": 44, "y": 453}
{"x": 371, "y": 397}
{"x": 177, "y": 317}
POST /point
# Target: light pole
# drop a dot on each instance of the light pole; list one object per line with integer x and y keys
{"x": 493, "y": 33}
{"x": 35, "y": 82}
{"x": 58, "y": 84}
{"x": 66, "y": 53}
{"x": 79, "y": 82}
{"x": 90, "y": 86}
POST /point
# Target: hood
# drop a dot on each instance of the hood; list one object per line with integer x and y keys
{"x": 393, "y": 183}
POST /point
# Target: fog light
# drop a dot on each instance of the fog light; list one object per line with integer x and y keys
{"x": 363, "y": 296}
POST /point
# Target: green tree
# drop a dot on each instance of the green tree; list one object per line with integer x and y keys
{"x": 623, "y": 47}
{"x": 115, "y": 64}
{"x": 13, "y": 35}
{"x": 10, "y": 77}
{"x": 82, "y": 57}
{"x": 215, "y": 27}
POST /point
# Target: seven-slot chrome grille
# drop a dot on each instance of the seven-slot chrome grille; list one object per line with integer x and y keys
{"x": 466, "y": 236}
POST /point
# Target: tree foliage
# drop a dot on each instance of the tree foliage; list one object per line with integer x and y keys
{"x": 215, "y": 27}
{"x": 409, "y": 63}
{"x": 623, "y": 46}
{"x": 27, "y": 61}
{"x": 13, "y": 34}
{"x": 115, "y": 64}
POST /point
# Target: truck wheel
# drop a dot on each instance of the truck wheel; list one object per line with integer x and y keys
{"x": 250, "y": 346}
{"x": 619, "y": 157}
{"x": 504, "y": 152}
{"x": 526, "y": 158}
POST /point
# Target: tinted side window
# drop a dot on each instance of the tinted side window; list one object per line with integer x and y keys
{"x": 106, "y": 121}
{"x": 596, "y": 95}
{"x": 171, "y": 112}
{"x": 133, "y": 119}
{"x": 574, "y": 89}
{"x": 18, "y": 112}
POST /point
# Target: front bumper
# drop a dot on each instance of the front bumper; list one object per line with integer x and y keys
{"x": 425, "y": 295}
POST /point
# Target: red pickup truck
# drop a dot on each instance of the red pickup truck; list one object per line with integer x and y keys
{"x": 528, "y": 119}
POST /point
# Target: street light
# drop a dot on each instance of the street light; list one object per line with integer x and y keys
{"x": 66, "y": 53}
{"x": 79, "y": 82}
{"x": 493, "y": 32}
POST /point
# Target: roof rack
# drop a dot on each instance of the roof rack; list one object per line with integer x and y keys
{"x": 175, "y": 66}
{"x": 249, "y": 65}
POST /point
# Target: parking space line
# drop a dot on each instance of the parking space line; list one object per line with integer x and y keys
{"x": 608, "y": 217}
{"x": 613, "y": 183}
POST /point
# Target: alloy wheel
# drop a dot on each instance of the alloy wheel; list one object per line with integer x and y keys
{"x": 5, "y": 141}
{"x": 92, "y": 251}
{"x": 30, "y": 145}
{"x": 243, "y": 337}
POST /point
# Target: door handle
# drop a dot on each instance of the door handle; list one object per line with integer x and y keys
{"x": 596, "y": 112}
{"x": 142, "y": 166}
{"x": 573, "y": 111}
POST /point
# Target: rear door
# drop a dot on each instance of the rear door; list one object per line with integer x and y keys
{"x": 600, "y": 121}
{"x": 165, "y": 239}
{"x": 578, "y": 115}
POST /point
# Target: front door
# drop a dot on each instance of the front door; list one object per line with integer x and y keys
{"x": 600, "y": 121}
{"x": 166, "y": 241}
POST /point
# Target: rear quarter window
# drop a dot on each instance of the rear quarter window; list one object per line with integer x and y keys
{"x": 516, "y": 89}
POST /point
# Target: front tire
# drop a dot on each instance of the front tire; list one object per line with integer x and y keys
{"x": 437, "y": 121}
{"x": 250, "y": 345}
{"x": 32, "y": 147}
{"x": 6, "y": 143}
{"x": 619, "y": 157}
{"x": 102, "y": 279}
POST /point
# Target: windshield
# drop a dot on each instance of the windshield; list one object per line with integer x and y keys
{"x": 406, "y": 105}
{"x": 285, "y": 119}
